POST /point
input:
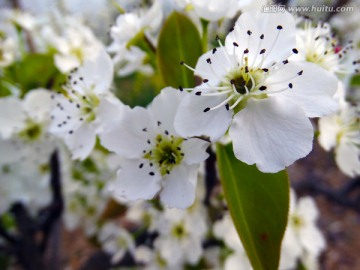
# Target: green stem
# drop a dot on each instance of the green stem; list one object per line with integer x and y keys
{"x": 204, "y": 40}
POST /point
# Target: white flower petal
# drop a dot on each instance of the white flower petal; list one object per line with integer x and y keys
{"x": 191, "y": 120}
{"x": 348, "y": 158}
{"x": 81, "y": 142}
{"x": 194, "y": 150}
{"x": 277, "y": 43}
{"x": 109, "y": 111}
{"x": 129, "y": 135}
{"x": 312, "y": 239}
{"x": 179, "y": 187}
{"x": 328, "y": 131}
{"x": 134, "y": 183}
{"x": 307, "y": 209}
{"x": 313, "y": 90}
{"x": 97, "y": 74}
{"x": 237, "y": 261}
{"x": 37, "y": 104}
{"x": 165, "y": 106}
{"x": 271, "y": 133}
{"x": 10, "y": 152}
{"x": 11, "y": 116}
{"x": 213, "y": 66}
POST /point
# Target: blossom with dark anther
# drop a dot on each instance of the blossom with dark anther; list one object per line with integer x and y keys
{"x": 251, "y": 85}
{"x": 317, "y": 44}
{"x": 77, "y": 113}
{"x": 157, "y": 159}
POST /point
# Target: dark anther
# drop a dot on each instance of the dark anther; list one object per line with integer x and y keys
{"x": 249, "y": 32}
{"x": 262, "y": 36}
{"x": 300, "y": 72}
{"x": 207, "y": 109}
{"x": 144, "y": 129}
{"x": 148, "y": 141}
{"x": 262, "y": 88}
{"x": 71, "y": 132}
{"x": 81, "y": 78}
{"x": 182, "y": 62}
{"x": 166, "y": 132}
{"x": 232, "y": 81}
{"x": 141, "y": 165}
{"x": 214, "y": 50}
{"x": 198, "y": 93}
{"x": 231, "y": 29}
{"x": 290, "y": 85}
{"x": 279, "y": 27}
{"x": 235, "y": 44}
{"x": 246, "y": 51}
{"x": 217, "y": 37}
{"x": 167, "y": 171}
{"x": 208, "y": 61}
{"x": 265, "y": 69}
{"x": 158, "y": 123}
{"x": 285, "y": 62}
{"x": 205, "y": 80}
{"x": 181, "y": 88}
{"x": 295, "y": 51}
{"x": 246, "y": 69}
{"x": 78, "y": 106}
{"x": 152, "y": 173}
{"x": 227, "y": 106}
{"x": 262, "y": 51}
{"x": 151, "y": 164}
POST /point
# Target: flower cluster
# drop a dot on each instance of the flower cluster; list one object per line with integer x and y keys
{"x": 135, "y": 136}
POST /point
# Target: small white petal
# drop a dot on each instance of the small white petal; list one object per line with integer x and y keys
{"x": 312, "y": 239}
{"x": 218, "y": 68}
{"x": 109, "y": 111}
{"x": 328, "y": 131}
{"x": 194, "y": 150}
{"x": 237, "y": 261}
{"x": 348, "y": 158}
{"x": 37, "y": 104}
{"x": 307, "y": 209}
{"x": 134, "y": 183}
{"x": 191, "y": 120}
{"x": 313, "y": 90}
{"x": 81, "y": 142}
{"x": 165, "y": 106}
{"x": 271, "y": 133}
{"x": 129, "y": 135}
{"x": 179, "y": 187}
{"x": 11, "y": 116}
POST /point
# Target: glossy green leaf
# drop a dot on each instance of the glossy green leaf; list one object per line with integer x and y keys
{"x": 34, "y": 71}
{"x": 179, "y": 41}
{"x": 355, "y": 80}
{"x": 258, "y": 203}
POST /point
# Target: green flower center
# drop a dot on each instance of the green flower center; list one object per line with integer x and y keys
{"x": 297, "y": 221}
{"x": 166, "y": 153}
{"x": 179, "y": 231}
{"x": 31, "y": 132}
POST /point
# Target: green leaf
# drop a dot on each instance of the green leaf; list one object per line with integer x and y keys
{"x": 355, "y": 80}
{"x": 179, "y": 40}
{"x": 34, "y": 71}
{"x": 258, "y": 203}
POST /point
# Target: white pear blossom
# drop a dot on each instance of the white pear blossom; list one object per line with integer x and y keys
{"x": 341, "y": 131}
{"x": 317, "y": 44}
{"x": 250, "y": 85}
{"x": 73, "y": 42}
{"x": 302, "y": 237}
{"x": 157, "y": 158}
{"x": 116, "y": 240}
{"x": 78, "y": 111}
{"x": 25, "y": 149}
{"x": 127, "y": 26}
{"x": 181, "y": 235}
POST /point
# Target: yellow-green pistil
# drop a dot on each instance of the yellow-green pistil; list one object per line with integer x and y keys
{"x": 31, "y": 132}
{"x": 166, "y": 154}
